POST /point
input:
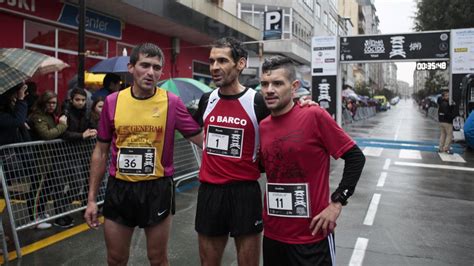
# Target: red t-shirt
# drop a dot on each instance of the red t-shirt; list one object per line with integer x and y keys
{"x": 295, "y": 149}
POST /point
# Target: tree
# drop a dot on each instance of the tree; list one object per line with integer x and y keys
{"x": 435, "y": 83}
{"x": 362, "y": 89}
{"x": 444, "y": 15}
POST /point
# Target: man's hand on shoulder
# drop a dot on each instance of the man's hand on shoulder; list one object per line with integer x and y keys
{"x": 306, "y": 101}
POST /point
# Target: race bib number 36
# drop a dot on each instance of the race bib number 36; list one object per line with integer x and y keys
{"x": 288, "y": 200}
{"x": 136, "y": 161}
{"x": 224, "y": 141}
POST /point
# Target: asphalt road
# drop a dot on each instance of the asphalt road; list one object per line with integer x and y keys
{"x": 412, "y": 206}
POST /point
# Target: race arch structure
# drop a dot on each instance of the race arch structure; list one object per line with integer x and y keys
{"x": 456, "y": 47}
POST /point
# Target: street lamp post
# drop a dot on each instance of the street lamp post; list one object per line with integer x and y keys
{"x": 80, "y": 48}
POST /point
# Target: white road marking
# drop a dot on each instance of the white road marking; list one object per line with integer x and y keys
{"x": 409, "y": 154}
{"x": 386, "y": 164}
{"x": 398, "y": 130}
{"x": 382, "y": 178}
{"x": 359, "y": 252}
{"x": 456, "y": 158}
{"x": 373, "y": 151}
{"x": 374, "y": 204}
{"x": 436, "y": 166}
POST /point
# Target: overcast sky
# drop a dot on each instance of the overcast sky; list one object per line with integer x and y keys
{"x": 396, "y": 16}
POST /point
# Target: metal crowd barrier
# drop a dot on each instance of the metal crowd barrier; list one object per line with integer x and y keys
{"x": 361, "y": 113}
{"x": 45, "y": 180}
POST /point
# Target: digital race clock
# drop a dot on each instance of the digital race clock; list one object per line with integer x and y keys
{"x": 434, "y": 65}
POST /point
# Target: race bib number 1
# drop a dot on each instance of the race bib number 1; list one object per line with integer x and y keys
{"x": 136, "y": 161}
{"x": 288, "y": 200}
{"x": 224, "y": 141}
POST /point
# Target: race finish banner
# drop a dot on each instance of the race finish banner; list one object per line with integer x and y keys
{"x": 324, "y": 72}
{"x": 399, "y": 47}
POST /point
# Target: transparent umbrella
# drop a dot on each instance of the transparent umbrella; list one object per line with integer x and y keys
{"x": 18, "y": 65}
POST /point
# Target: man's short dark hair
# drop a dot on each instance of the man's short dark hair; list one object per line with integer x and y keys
{"x": 235, "y": 46}
{"x": 109, "y": 78}
{"x": 278, "y": 61}
{"x": 148, "y": 50}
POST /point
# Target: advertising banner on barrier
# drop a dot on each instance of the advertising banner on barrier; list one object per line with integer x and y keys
{"x": 324, "y": 92}
{"x": 324, "y": 72}
{"x": 462, "y": 51}
{"x": 429, "y": 45}
{"x": 323, "y": 56}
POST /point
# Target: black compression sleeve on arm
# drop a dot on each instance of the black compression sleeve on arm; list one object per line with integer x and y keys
{"x": 354, "y": 163}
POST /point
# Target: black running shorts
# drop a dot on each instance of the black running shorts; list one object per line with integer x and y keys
{"x": 142, "y": 204}
{"x": 234, "y": 209}
{"x": 322, "y": 253}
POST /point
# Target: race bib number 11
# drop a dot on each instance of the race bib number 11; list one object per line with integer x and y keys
{"x": 288, "y": 200}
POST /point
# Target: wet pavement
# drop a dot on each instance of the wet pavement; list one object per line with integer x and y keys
{"x": 412, "y": 206}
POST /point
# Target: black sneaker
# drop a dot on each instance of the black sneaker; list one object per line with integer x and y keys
{"x": 64, "y": 222}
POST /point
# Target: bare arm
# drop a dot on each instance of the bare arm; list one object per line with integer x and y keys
{"x": 197, "y": 139}
{"x": 97, "y": 172}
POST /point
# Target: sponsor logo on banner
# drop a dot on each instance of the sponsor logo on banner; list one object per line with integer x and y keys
{"x": 429, "y": 45}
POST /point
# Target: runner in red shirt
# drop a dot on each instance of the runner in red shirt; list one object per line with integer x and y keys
{"x": 229, "y": 197}
{"x": 296, "y": 145}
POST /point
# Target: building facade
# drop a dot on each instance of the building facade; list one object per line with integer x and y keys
{"x": 302, "y": 19}
{"x": 182, "y": 28}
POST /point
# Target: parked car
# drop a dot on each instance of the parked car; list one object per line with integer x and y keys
{"x": 383, "y": 102}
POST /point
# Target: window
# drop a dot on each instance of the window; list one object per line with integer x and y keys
{"x": 254, "y": 15}
{"x": 40, "y": 34}
{"x": 42, "y": 38}
{"x": 318, "y": 11}
{"x": 127, "y": 47}
{"x": 325, "y": 18}
{"x": 69, "y": 41}
{"x": 202, "y": 73}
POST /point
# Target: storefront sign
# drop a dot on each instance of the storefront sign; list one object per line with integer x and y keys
{"x": 21, "y": 5}
{"x": 462, "y": 51}
{"x": 95, "y": 22}
{"x": 430, "y": 45}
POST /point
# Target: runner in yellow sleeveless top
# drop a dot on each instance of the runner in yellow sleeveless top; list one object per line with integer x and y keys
{"x": 137, "y": 125}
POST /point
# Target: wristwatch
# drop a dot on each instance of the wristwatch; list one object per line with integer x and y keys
{"x": 340, "y": 197}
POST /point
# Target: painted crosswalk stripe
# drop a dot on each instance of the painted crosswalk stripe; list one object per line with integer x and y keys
{"x": 359, "y": 252}
{"x": 436, "y": 166}
{"x": 373, "y": 151}
{"x": 382, "y": 178}
{"x": 374, "y": 204}
{"x": 455, "y": 158}
{"x": 409, "y": 154}
{"x": 386, "y": 165}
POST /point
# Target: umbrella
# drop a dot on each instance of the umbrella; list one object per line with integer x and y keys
{"x": 187, "y": 89}
{"x": 93, "y": 79}
{"x": 18, "y": 65}
{"x": 116, "y": 65}
{"x": 349, "y": 93}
